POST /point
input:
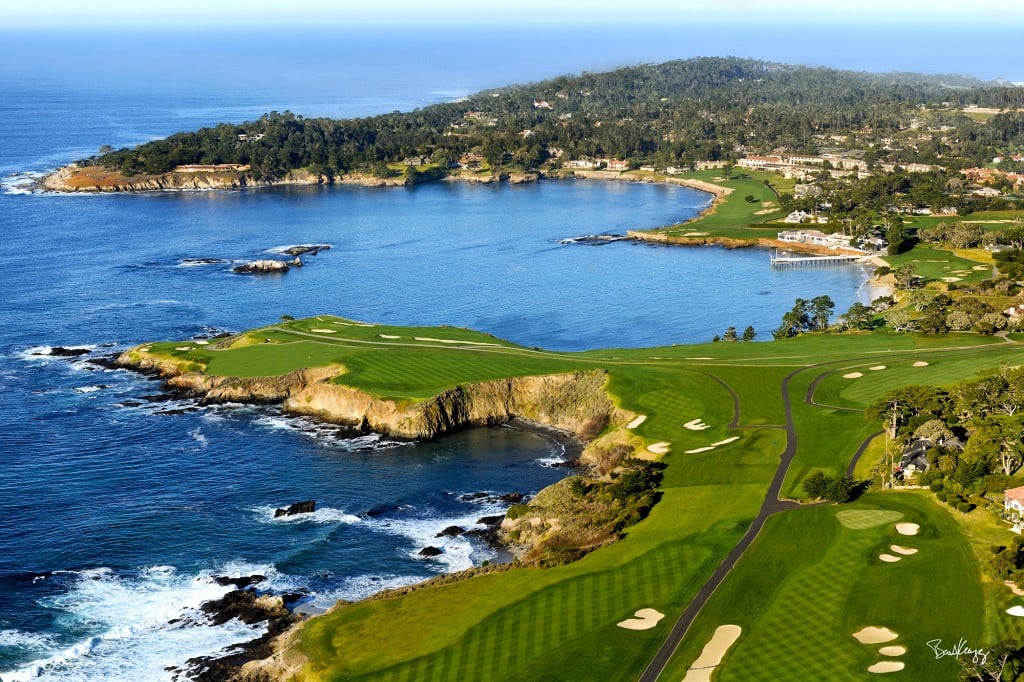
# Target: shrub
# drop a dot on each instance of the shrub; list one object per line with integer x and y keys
{"x": 941, "y": 496}
{"x": 964, "y": 507}
{"x": 996, "y": 549}
{"x": 516, "y": 510}
{"x": 936, "y": 486}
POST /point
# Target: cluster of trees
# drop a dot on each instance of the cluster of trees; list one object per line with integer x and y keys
{"x": 836, "y": 488}
{"x": 956, "y": 234}
{"x": 1010, "y": 263}
{"x": 805, "y": 316}
{"x": 749, "y": 334}
{"x": 674, "y": 113}
{"x": 975, "y": 427}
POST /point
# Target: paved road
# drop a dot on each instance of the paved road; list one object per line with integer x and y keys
{"x": 771, "y": 504}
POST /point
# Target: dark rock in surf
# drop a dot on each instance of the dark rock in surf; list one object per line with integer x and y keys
{"x": 307, "y": 507}
{"x": 430, "y": 551}
{"x": 451, "y": 532}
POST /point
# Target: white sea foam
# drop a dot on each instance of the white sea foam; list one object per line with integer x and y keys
{"x": 265, "y": 514}
{"x": 88, "y": 389}
{"x": 129, "y": 617}
{"x": 458, "y": 553}
{"x": 18, "y": 639}
{"x": 197, "y": 436}
{"x": 327, "y": 434}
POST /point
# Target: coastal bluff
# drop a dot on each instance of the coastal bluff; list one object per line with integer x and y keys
{"x": 575, "y": 402}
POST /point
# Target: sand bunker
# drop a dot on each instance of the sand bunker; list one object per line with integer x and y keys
{"x": 877, "y": 368}
{"x": 726, "y": 441}
{"x": 874, "y": 635}
{"x": 388, "y": 336}
{"x": 862, "y": 519}
{"x": 1016, "y": 610}
{"x": 920, "y": 363}
{"x": 659, "y": 448}
{"x": 887, "y": 667}
{"x": 185, "y": 348}
{"x": 637, "y": 422}
{"x": 465, "y": 343}
{"x": 896, "y": 650}
{"x": 852, "y": 375}
{"x": 712, "y": 653}
{"x": 905, "y": 551}
{"x": 696, "y": 425}
{"x": 645, "y": 620}
{"x": 889, "y": 558}
{"x": 907, "y": 528}
{"x": 202, "y": 342}
{"x": 697, "y": 234}
{"x": 951, "y": 279}
{"x": 696, "y": 451}
{"x": 324, "y": 331}
{"x": 980, "y": 267}
{"x": 698, "y": 358}
{"x": 1013, "y": 588}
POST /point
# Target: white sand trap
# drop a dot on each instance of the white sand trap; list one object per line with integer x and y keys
{"x": 877, "y": 368}
{"x": 696, "y": 451}
{"x": 324, "y": 331}
{"x": 712, "y": 653}
{"x": 645, "y": 620}
{"x": 889, "y": 558}
{"x": 896, "y": 650}
{"x": 887, "y": 667}
{"x": 696, "y": 425}
{"x": 1016, "y": 610}
{"x": 905, "y": 551}
{"x": 726, "y": 441}
{"x": 907, "y": 528}
{"x": 659, "y": 448}
{"x": 202, "y": 342}
{"x": 920, "y": 363}
{"x": 852, "y": 375}
{"x": 465, "y": 343}
{"x": 951, "y": 279}
{"x": 698, "y": 358}
{"x": 980, "y": 267}
{"x": 873, "y": 634}
{"x": 388, "y": 336}
{"x": 698, "y": 234}
{"x": 1013, "y": 588}
{"x": 637, "y": 422}
{"x": 185, "y": 348}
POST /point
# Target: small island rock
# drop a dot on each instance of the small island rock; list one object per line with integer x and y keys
{"x": 430, "y": 551}
{"x": 261, "y": 267}
{"x": 450, "y": 532}
{"x": 307, "y": 507}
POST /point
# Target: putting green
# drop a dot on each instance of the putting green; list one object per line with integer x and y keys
{"x": 862, "y": 519}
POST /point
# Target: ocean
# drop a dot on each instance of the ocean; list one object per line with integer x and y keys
{"x": 119, "y": 505}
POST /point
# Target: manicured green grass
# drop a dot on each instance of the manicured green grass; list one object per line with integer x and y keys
{"x": 734, "y": 215}
{"x": 808, "y": 583}
{"x": 933, "y": 264}
{"x": 821, "y": 578}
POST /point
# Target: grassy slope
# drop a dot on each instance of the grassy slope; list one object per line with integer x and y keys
{"x": 560, "y": 623}
{"x": 809, "y": 582}
{"x": 734, "y": 216}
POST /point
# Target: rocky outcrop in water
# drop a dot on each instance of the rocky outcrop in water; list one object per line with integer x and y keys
{"x": 62, "y": 352}
{"x": 262, "y": 267}
{"x": 307, "y": 507}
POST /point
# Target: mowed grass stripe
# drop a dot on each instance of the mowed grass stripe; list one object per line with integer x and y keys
{"x": 565, "y": 612}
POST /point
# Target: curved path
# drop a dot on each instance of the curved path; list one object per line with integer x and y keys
{"x": 771, "y": 505}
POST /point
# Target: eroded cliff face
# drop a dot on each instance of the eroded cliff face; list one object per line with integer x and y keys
{"x": 574, "y": 402}
{"x": 76, "y": 178}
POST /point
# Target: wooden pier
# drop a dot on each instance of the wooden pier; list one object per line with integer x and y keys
{"x": 812, "y": 261}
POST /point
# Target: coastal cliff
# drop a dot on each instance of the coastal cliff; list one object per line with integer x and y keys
{"x": 76, "y": 178}
{"x": 575, "y": 402}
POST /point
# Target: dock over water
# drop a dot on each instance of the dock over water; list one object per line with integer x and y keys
{"x": 812, "y": 261}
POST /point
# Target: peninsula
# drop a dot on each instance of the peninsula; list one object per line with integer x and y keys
{"x": 700, "y": 488}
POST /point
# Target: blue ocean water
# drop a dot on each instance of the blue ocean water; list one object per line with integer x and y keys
{"x": 116, "y": 508}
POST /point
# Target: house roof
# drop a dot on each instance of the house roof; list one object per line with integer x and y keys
{"x": 1015, "y": 494}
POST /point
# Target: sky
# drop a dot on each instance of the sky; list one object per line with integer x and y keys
{"x": 54, "y": 13}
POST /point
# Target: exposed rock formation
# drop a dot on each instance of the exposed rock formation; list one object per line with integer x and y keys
{"x": 263, "y": 267}
{"x": 307, "y": 507}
